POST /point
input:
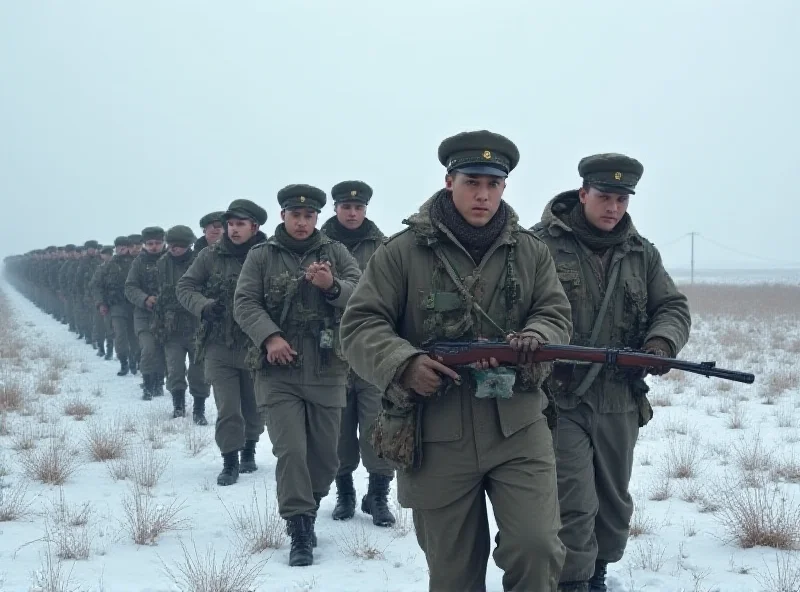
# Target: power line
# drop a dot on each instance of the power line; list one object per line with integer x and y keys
{"x": 744, "y": 254}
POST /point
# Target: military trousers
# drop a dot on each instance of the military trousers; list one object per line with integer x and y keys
{"x": 152, "y": 357}
{"x": 98, "y": 327}
{"x": 594, "y": 460}
{"x": 518, "y": 475}
{"x": 87, "y": 316}
{"x": 304, "y": 437}
{"x": 125, "y": 340}
{"x": 237, "y": 413}
{"x": 363, "y": 406}
{"x": 69, "y": 312}
{"x": 176, "y": 351}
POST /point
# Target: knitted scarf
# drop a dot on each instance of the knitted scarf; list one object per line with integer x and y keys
{"x": 593, "y": 237}
{"x": 300, "y": 247}
{"x": 349, "y": 238}
{"x": 476, "y": 240}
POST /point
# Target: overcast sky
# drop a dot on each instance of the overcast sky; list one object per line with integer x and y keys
{"x": 115, "y": 115}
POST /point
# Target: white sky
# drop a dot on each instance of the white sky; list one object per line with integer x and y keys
{"x": 115, "y": 115}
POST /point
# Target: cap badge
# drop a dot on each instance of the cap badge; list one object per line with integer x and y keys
{"x": 353, "y": 193}
{"x": 302, "y": 199}
{"x": 487, "y": 155}
{"x": 618, "y": 176}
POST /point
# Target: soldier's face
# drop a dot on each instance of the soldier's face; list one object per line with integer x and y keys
{"x": 240, "y": 231}
{"x": 476, "y": 197}
{"x": 213, "y": 232}
{"x": 135, "y": 249}
{"x": 105, "y": 256}
{"x": 154, "y": 246}
{"x": 300, "y": 222}
{"x": 91, "y": 252}
{"x": 351, "y": 214}
{"x": 603, "y": 210}
{"x": 121, "y": 250}
{"x": 177, "y": 250}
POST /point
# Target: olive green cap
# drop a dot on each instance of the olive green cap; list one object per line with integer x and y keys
{"x": 211, "y": 218}
{"x": 245, "y": 209}
{"x": 615, "y": 173}
{"x": 351, "y": 191}
{"x": 122, "y": 241}
{"x": 91, "y": 244}
{"x": 136, "y": 239}
{"x": 70, "y": 248}
{"x": 107, "y": 251}
{"x": 51, "y": 249}
{"x": 180, "y": 235}
{"x": 479, "y": 153}
{"x": 302, "y": 196}
{"x": 152, "y": 233}
{"x": 80, "y": 249}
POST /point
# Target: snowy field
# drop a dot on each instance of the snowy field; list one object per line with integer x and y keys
{"x": 715, "y": 478}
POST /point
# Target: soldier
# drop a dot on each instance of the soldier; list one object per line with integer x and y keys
{"x": 65, "y": 273}
{"x": 83, "y": 275}
{"x": 621, "y": 296}
{"x": 103, "y": 329}
{"x": 465, "y": 270}
{"x": 136, "y": 244}
{"x": 289, "y": 300}
{"x": 141, "y": 290}
{"x": 206, "y": 290}
{"x": 362, "y": 237}
{"x": 175, "y": 328}
{"x": 212, "y": 230}
{"x": 111, "y": 302}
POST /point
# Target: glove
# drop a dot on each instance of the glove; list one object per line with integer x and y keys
{"x": 213, "y": 311}
{"x": 658, "y": 347}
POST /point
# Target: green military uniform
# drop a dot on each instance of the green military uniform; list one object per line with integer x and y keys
{"x": 302, "y": 401}
{"x": 110, "y": 292}
{"x": 206, "y": 290}
{"x": 444, "y": 279}
{"x": 65, "y": 272}
{"x": 80, "y": 286}
{"x": 363, "y": 399}
{"x": 201, "y": 243}
{"x": 103, "y": 329}
{"x": 175, "y": 328}
{"x": 141, "y": 283}
{"x": 600, "y": 415}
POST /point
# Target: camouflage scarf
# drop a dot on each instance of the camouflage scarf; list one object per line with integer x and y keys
{"x": 300, "y": 247}
{"x": 476, "y": 240}
{"x": 349, "y": 238}
{"x": 593, "y": 237}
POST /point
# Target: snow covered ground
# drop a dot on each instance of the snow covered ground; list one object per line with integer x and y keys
{"x": 716, "y": 469}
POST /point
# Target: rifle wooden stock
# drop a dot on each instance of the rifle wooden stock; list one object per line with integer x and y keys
{"x": 462, "y": 353}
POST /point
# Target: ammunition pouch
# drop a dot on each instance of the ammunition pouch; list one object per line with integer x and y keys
{"x": 396, "y": 437}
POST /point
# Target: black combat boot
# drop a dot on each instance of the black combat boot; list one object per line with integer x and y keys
{"x": 597, "y": 583}
{"x": 134, "y": 366}
{"x": 123, "y": 366}
{"x": 101, "y": 350}
{"x": 300, "y": 528}
{"x": 247, "y": 464}
{"x": 230, "y": 469}
{"x": 109, "y": 349}
{"x": 90, "y": 341}
{"x": 80, "y": 334}
{"x": 345, "y": 498}
{"x": 158, "y": 385}
{"x": 199, "y": 411}
{"x": 375, "y": 503}
{"x": 147, "y": 388}
{"x": 178, "y": 404}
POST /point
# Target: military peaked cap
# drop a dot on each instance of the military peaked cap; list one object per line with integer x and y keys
{"x": 211, "y": 218}
{"x": 70, "y": 248}
{"x": 91, "y": 244}
{"x": 136, "y": 239}
{"x": 479, "y": 153}
{"x": 107, "y": 251}
{"x": 302, "y": 196}
{"x": 611, "y": 172}
{"x": 152, "y": 233}
{"x": 180, "y": 235}
{"x": 245, "y": 209}
{"x": 122, "y": 241}
{"x": 351, "y": 191}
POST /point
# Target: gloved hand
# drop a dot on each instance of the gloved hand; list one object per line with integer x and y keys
{"x": 658, "y": 347}
{"x": 213, "y": 311}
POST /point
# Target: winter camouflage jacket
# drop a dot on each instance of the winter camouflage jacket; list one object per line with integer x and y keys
{"x": 170, "y": 319}
{"x": 273, "y": 297}
{"x": 644, "y": 304}
{"x": 212, "y": 277}
{"x": 142, "y": 282}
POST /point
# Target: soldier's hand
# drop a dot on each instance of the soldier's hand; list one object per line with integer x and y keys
{"x": 103, "y": 309}
{"x": 423, "y": 375}
{"x": 321, "y": 276}
{"x": 279, "y": 351}
{"x": 525, "y": 343}
{"x": 657, "y": 347}
{"x": 150, "y": 302}
{"x": 213, "y": 310}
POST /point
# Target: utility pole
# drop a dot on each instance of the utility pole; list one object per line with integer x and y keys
{"x": 692, "y": 235}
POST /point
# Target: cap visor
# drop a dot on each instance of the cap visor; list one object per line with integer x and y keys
{"x": 481, "y": 170}
{"x": 620, "y": 189}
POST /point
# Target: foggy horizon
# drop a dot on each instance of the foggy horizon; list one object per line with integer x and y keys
{"x": 116, "y": 116}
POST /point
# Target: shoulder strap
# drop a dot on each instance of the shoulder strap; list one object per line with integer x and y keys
{"x": 598, "y": 323}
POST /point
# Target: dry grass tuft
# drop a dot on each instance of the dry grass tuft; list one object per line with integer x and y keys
{"x": 146, "y": 467}
{"x": 52, "y": 464}
{"x": 780, "y": 381}
{"x": 196, "y": 440}
{"x": 357, "y": 541}
{"x": 785, "y": 578}
{"x": 235, "y": 573}
{"x": 14, "y": 504}
{"x": 641, "y": 522}
{"x": 649, "y": 555}
{"x": 258, "y": 527}
{"x": 12, "y": 394}
{"x": 682, "y": 459}
{"x": 78, "y": 408}
{"x": 751, "y": 455}
{"x": 146, "y": 520}
{"x": 105, "y": 441}
{"x": 46, "y": 386}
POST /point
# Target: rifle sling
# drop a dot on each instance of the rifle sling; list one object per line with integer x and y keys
{"x": 591, "y": 375}
{"x": 463, "y": 289}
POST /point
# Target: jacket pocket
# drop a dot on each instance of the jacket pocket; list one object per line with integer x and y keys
{"x": 394, "y": 435}
{"x": 442, "y": 418}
